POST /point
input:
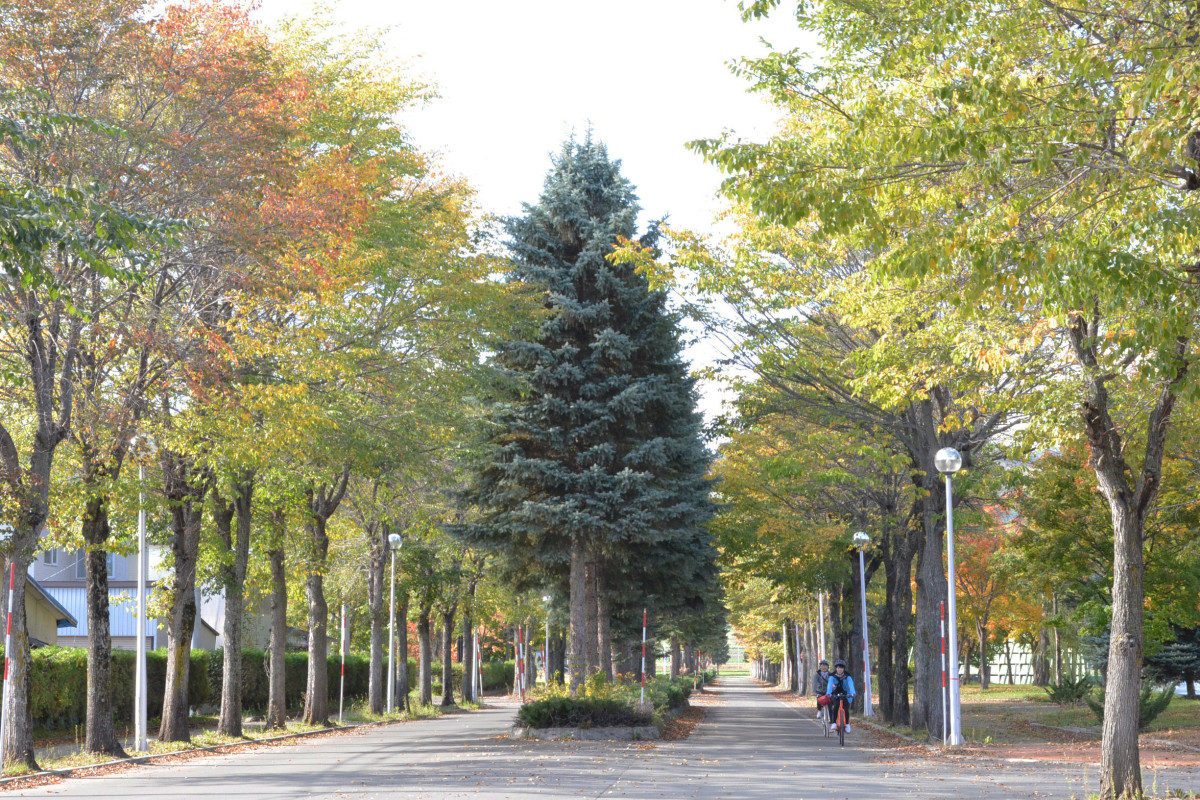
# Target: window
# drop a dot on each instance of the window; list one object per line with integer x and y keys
{"x": 81, "y": 565}
{"x": 50, "y": 557}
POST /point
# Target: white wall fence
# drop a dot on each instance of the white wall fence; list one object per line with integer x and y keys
{"x": 1016, "y": 660}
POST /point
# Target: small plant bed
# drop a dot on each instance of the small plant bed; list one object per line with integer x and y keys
{"x": 603, "y": 710}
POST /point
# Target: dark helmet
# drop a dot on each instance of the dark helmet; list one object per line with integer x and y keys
{"x": 823, "y": 661}
{"x": 839, "y": 663}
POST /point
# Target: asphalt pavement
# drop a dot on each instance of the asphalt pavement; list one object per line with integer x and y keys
{"x": 750, "y": 747}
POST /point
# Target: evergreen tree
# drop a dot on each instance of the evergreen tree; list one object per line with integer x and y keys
{"x": 601, "y": 454}
{"x": 1179, "y": 660}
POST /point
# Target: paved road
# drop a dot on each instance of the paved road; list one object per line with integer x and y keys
{"x": 752, "y": 747}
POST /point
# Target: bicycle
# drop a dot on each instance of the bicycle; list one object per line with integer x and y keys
{"x": 824, "y": 717}
{"x": 841, "y": 717}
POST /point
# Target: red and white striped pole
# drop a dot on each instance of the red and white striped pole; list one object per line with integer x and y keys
{"x": 12, "y": 577}
{"x": 643, "y": 656}
{"x": 944, "y": 672}
{"x": 342, "y": 687}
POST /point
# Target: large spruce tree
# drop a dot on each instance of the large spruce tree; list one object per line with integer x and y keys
{"x": 600, "y": 458}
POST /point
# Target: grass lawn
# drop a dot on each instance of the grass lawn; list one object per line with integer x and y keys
{"x": 1013, "y": 714}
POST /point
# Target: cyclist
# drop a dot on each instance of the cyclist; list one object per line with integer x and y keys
{"x": 840, "y": 689}
{"x": 819, "y": 682}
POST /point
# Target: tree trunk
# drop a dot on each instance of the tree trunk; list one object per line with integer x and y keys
{"x": 233, "y": 577}
{"x": 402, "y": 687}
{"x": 1120, "y": 761}
{"x": 593, "y": 617}
{"x": 18, "y": 735}
{"x": 674, "y": 656}
{"x": 1120, "y": 764}
{"x": 558, "y": 657}
{"x": 448, "y": 656}
{"x": 1041, "y": 664}
{"x": 603, "y": 631}
{"x": 377, "y": 587}
{"x": 981, "y": 633}
{"x": 468, "y": 648}
{"x": 927, "y": 704}
{"x": 323, "y": 501}
{"x": 101, "y": 736}
{"x": 186, "y": 490}
{"x": 316, "y": 692}
{"x": 1057, "y": 641}
{"x": 277, "y": 675}
{"x": 425, "y": 694}
{"x": 579, "y": 615}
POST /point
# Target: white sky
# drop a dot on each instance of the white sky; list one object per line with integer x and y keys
{"x": 516, "y": 77}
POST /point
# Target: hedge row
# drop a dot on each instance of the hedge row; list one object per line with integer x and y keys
{"x": 580, "y": 712}
{"x": 58, "y": 696}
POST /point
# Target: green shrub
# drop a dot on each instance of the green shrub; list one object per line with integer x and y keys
{"x": 581, "y": 712}
{"x": 1070, "y": 692}
{"x": 58, "y": 696}
{"x": 456, "y": 672}
{"x": 498, "y": 675}
{"x": 1150, "y": 704}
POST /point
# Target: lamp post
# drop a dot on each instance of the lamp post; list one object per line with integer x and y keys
{"x": 949, "y": 461}
{"x": 139, "y": 678}
{"x": 862, "y": 541}
{"x": 546, "y": 651}
{"x": 393, "y": 546}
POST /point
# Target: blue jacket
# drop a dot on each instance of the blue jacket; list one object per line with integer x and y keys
{"x": 847, "y": 684}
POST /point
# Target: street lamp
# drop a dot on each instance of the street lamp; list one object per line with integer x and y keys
{"x": 949, "y": 461}
{"x": 393, "y": 546}
{"x": 139, "y": 679}
{"x": 862, "y": 541}
{"x": 546, "y": 650}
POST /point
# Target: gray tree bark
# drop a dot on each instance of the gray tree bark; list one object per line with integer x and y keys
{"x": 1120, "y": 764}
{"x": 277, "y": 649}
{"x": 236, "y": 540}
{"x": 448, "y": 615}
{"x": 323, "y": 501}
{"x": 101, "y": 735}
{"x": 468, "y": 648}
{"x": 402, "y": 687}
{"x": 377, "y": 587}
{"x": 592, "y": 619}
{"x": 604, "y": 648}
{"x": 425, "y": 692}
{"x": 579, "y": 615}
{"x": 185, "y": 487}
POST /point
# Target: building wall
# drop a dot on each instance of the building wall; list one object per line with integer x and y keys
{"x": 68, "y": 568}
{"x": 41, "y": 619}
{"x": 118, "y": 642}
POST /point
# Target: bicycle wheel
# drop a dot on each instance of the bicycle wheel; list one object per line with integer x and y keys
{"x": 841, "y": 726}
{"x": 825, "y": 720}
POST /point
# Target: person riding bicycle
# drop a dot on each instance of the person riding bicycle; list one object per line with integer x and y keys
{"x": 819, "y": 682}
{"x": 839, "y": 689}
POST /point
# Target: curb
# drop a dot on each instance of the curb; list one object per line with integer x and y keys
{"x": 70, "y": 772}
